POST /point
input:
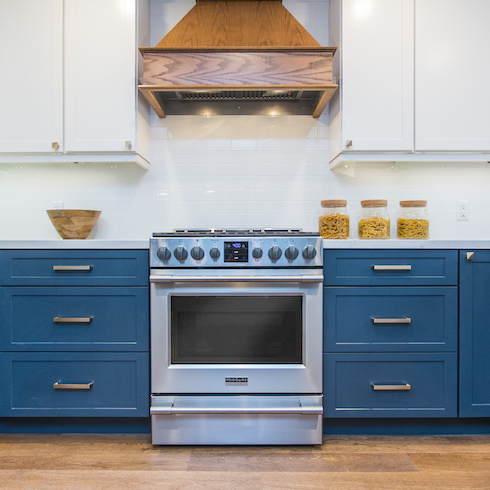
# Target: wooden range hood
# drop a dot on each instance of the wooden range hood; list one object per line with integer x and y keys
{"x": 238, "y": 57}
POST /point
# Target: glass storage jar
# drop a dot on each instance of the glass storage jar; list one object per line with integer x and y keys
{"x": 374, "y": 221}
{"x": 334, "y": 220}
{"x": 413, "y": 221}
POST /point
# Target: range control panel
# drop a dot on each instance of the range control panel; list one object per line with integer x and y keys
{"x": 290, "y": 251}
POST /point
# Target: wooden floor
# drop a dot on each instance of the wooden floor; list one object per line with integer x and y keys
{"x": 120, "y": 462}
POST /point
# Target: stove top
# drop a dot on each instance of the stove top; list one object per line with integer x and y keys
{"x": 222, "y": 232}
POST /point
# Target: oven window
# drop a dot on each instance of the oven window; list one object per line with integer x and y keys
{"x": 243, "y": 330}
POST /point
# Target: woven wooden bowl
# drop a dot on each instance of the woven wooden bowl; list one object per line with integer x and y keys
{"x": 73, "y": 223}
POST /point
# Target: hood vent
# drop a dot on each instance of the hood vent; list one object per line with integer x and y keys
{"x": 238, "y": 57}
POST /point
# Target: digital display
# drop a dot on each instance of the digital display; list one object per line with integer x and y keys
{"x": 236, "y": 252}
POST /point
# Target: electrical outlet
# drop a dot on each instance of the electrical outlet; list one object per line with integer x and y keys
{"x": 463, "y": 211}
{"x": 57, "y": 205}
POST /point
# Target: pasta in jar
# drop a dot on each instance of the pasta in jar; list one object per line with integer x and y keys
{"x": 374, "y": 222}
{"x": 413, "y": 221}
{"x": 334, "y": 223}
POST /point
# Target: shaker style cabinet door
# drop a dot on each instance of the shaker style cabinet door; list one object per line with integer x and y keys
{"x": 100, "y": 76}
{"x": 452, "y": 101}
{"x": 474, "y": 332}
{"x": 31, "y": 76}
{"x": 376, "y": 76}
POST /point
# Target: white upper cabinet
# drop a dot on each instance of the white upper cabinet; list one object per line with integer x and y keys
{"x": 31, "y": 76}
{"x": 452, "y": 75}
{"x": 72, "y": 81}
{"x": 413, "y": 80}
{"x": 376, "y": 75}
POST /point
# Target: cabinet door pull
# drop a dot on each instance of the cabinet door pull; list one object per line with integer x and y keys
{"x": 82, "y": 386}
{"x": 401, "y": 387}
{"x": 72, "y": 268}
{"x": 65, "y": 319}
{"x": 391, "y": 267}
{"x": 470, "y": 255}
{"x": 384, "y": 321}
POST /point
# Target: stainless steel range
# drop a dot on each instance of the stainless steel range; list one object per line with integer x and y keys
{"x": 236, "y": 337}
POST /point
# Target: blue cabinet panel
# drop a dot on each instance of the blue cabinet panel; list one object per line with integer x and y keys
{"x": 390, "y": 267}
{"x": 474, "y": 317}
{"x": 376, "y": 385}
{"x": 95, "y": 268}
{"x": 96, "y": 384}
{"x": 365, "y": 319}
{"x": 95, "y": 319}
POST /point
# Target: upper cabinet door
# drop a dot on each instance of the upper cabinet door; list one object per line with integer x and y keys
{"x": 100, "y": 76}
{"x": 377, "y": 75}
{"x": 452, "y": 107}
{"x": 31, "y": 76}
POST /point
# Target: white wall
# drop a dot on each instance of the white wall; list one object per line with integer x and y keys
{"x": 246, "y": 171}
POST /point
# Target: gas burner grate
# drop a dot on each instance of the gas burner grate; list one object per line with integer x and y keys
{"x": 224, "y": 232}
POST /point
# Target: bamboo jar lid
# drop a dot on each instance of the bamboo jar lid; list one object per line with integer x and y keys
{"x": 374, "y": 203}
{"x": 413, "y": 204}
{"x": 334, "y": 203}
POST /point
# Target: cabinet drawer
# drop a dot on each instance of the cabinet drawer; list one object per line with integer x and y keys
{"x": 390, "y": 385}
{"x": 390, "y": 267}
{"x": 92, "y": 318}
{"x": 74, "y": 268}
{"x": 358, "y": 319}
{"x": 74, "y": 384}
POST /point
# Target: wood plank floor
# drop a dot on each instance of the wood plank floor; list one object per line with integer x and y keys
{"x": 122, "y": 461}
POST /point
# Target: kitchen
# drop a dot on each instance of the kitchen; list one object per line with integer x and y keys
{"x": 236, "y": 172}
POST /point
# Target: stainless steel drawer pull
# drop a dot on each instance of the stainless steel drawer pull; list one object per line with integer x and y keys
{"x": 63, "y": 319}
{"x": 82, "y": 386}
{"x": 402, "y": 387}
{"x": 72, "y": 268}
{"x": 252, "y": 278}
{"x": 171, "y": 410}
{"x": 385, "y": 321}
{"x": 470, "y": 255}
{"x": 391, "y": 267}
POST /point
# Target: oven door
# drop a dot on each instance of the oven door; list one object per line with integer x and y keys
{"x": 236, "y": 332}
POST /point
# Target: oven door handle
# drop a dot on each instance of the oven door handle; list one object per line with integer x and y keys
{"x": 300, "y": 409}
{"x": 251, "y": 278}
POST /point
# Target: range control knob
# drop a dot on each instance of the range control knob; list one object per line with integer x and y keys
{"x": 309, "y": 252}
{"x": 197, "y": 253}
{"x": 180, "y": 253}
{"x": 291, "y": 252}
{"x": 214, "y": 253}
{"x": 163, "y": 253}
{"x": 275, "y": 252}
{"x": 257, "y": 253}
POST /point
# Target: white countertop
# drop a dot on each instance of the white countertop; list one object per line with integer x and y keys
{"x": 75, "y": 244}
{"x": 332, "y": 244}
{"x": 394, "y": 243}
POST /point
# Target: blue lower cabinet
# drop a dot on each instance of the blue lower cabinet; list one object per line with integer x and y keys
{"x": 395, "y": 319}
{"x": 474, "y": 331}
{"x": 74, "y": 318}
{"x": 74, "y": 384}
{"x": 74, "y": 268}
{"x": 390, "y": 385}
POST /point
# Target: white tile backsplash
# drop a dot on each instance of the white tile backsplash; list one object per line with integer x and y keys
{"x": 235, "y": 171}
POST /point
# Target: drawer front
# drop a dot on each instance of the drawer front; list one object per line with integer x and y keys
{"x": 60, "y": 319}
{"x": 74, "y": 268}
{"x": 390, "y": 385}
{"x": 74, "y": 384}
{"x": 390, "y": 267}
{"x": 378, "y": 319}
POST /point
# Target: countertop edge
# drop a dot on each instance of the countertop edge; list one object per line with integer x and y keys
{"x": 75, "y": 244}
{"x": 327, "y": 244}
{"x": 405, "y": 244}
